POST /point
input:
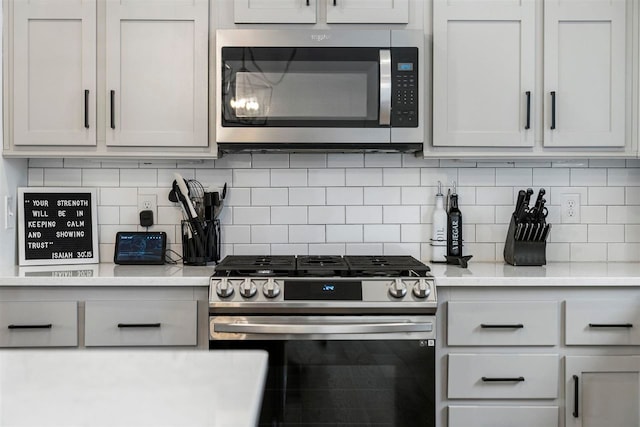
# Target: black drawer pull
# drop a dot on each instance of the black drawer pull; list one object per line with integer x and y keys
{"x": 553, "y": 110}
{"x": 86, "y": 109}
{"x": 611, "y": 325}
{"x": 576, "y": 389}
{"x": 528, "y": 125}
{"x": 138, "y": 325}
{"x": 113, "y": 112}
{"x": 43, "y": 326}
{"x": 501, "y": 380}
{"x": 501, "y": 326}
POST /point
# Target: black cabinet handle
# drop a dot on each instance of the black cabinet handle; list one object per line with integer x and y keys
{"x": 501, "y": 326}
{"x": 113, "y": 114}
{"x": 528, "y": 94}
{"x": 138, "y": 325}
{"x": 553, "y": 110}
{"x": 611, "y": 325}
{"x": 335, "y": 2}
{"x": 43, "y": 326}
{"x": 308, "y": 3}
{"x": 507, "y": 379}
{"x": 86, "y": 109}
{"x": 576, "y": 390}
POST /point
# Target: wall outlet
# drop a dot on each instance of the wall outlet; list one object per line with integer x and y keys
{"x": 148, "y": 202}
{"x": 570, "y": 208}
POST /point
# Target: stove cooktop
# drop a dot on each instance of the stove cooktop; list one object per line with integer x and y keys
{"x": 321, "y": 266}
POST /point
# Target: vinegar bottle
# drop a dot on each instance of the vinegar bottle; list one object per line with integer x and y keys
{"x": 454, "y": 226}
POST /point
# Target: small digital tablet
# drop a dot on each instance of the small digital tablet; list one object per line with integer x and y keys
{"x": 140, "y": 247}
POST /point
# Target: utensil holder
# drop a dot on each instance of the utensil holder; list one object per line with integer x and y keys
{"x": 203, "y": 249}
{"x": 522, "y": 252}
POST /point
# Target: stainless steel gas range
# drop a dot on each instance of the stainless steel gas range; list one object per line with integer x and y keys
{"x": 351, "y": 339}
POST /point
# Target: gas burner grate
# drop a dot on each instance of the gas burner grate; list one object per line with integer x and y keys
{"x": 393, "y": 265}
{"x": 241, "y": 265}
{"x": 322, "y": 265}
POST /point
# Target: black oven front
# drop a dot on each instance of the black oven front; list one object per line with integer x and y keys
{"x": 340, "y": 370}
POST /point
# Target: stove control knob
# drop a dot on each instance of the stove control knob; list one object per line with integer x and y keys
{"x": 421, "y": 289}
{"x": 397, "y": 289}
{"x": 224, "y": 289}
{"x": 271, "y": 289}
{"x": 248, "y": 289}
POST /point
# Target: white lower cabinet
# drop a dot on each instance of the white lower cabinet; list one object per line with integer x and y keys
{"x": 503, "y": 416}
{"x": 602, "y": 391}
{"x": 503, "y": 376}
{"x": 140, "y": 323}
{"x": 38, "y": 324}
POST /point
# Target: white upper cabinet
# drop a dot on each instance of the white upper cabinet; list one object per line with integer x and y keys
{"x": 156, "y": 77}
{"x": 483, "y": 73}
{"x": 54, "y": 73}
{"x": 584, "y": 73}
{"x": 305, "y": 11}
{"x": 274, "y": 11}
{"x": 367, "y": 11}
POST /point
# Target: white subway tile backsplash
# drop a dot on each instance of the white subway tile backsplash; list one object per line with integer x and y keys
{"x": 344, "y": 233}
{"x": 476, "y": 176}
{"x": 143, "y": 178}
{"x": 385, "y": 160}
{"x": 363, "y": 214}
{"x": 100, "y": 178}
{"x": 382, "y": 233}
{"x": 522, "y": 177}
{"x": 326, "y": 214}
{"x": 65, "y": 177}
{"x": 306, "y": 234}
{"x": 401, "y": 214}
{"x": 365, "y": 204}
{"x": 289, "y": 215}
{"x": 382, "y": 196}
{"x": 326, "y": 177}
{"x": 269, "y": 234}
{"x": 549, "y": 177}
{"x": 269, "y": 196}
{"x": 401, "y": 177}
{"x": 251, "y": 215}
{"x": 345, "y": 196}
{"x": 306, "y": 196}
{"x": 288, "y": 177}
{"x": 364, "y": 177}
{"x": 494, "y": 196}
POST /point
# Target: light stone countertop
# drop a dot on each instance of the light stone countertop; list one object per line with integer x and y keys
{"x": 96, "y": 388}
{"x": 477, "y": 274}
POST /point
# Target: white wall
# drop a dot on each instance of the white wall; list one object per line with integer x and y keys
{"x": 367, "y": 203}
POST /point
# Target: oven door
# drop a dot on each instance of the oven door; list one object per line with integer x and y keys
{"x": 340, "y": 370}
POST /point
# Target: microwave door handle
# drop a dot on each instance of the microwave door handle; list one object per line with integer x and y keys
{"x": 385, "y": 87}
{"x": 319, "y": 328}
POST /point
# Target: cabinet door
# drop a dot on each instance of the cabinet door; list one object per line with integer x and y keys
{"x": 602, "y": 391}
{"x": 367, "y": 11}
{"x": 54, "y": 72}
{"x": 274, "y": 11}
{"x": 584, "y": 73}
{"x": 156, "y": 74}
{"x": 483, "y": 73}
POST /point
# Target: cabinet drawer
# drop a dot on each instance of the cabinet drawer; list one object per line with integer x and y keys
{"x": 503, "y": 416}
{"x": 501, "y": 376}
{"x": 140, "y": 323}
{"x": 512, "y": 323}
{"x": 39, "y": 324}
{"x": 602, "y": 322}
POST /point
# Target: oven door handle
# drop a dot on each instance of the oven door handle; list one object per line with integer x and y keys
{"x": 321, "y": 328}
{"x": 385, "y": 87}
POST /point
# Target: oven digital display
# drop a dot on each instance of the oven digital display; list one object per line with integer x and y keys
{"x": 405, "y": 66}
{"x": 343, "y": 290}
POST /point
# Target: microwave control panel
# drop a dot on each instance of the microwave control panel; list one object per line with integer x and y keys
{"x": 404, "y": 87}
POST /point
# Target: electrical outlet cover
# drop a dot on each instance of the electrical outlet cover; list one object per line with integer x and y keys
{"x": 148, "y": 202}
{"x": 570, "y": 208}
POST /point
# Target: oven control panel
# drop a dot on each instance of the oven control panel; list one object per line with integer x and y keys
{"x": 322, "y": 290}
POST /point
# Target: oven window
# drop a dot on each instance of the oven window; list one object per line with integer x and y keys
{"x": 337, "y": 87}
{"x": 347, "y": 383}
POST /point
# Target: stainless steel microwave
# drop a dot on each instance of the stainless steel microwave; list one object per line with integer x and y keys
{"x": 320, "y": 90}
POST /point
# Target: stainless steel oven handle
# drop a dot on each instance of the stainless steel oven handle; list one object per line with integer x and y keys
{"x": 334, "y": 328}
{"x": 385, "y": 87}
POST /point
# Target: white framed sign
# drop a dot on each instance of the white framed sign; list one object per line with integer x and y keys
{"x": 57, "y": 225}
